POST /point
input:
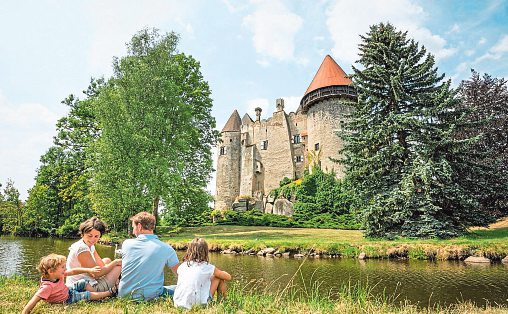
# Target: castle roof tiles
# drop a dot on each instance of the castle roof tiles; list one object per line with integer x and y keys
{"x": 234, "y": 123}
{"x": 329, "y": 74}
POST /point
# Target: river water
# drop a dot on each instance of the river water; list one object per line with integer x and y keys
{"x": 422, "y": 282}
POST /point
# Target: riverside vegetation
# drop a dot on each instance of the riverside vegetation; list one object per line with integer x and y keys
{"x": 490, "y": 243}
{"x": 352, "y": 298}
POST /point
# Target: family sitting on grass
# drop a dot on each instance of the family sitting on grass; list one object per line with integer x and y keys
{"x": 139, "y": 275}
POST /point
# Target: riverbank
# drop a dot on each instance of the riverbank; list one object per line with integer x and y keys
{"x": 325, "y": 243}
{"x": 16, "y": 291}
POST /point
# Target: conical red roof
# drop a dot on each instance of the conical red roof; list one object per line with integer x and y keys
{"x": 329, "y": 74}
{"x": 234, "y": 123}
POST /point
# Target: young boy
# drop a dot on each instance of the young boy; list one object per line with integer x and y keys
{"x": 53, "y": 289}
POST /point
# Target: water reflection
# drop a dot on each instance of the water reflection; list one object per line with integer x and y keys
{"x": 421, "y": 282}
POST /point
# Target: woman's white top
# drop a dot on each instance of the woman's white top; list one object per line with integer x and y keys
{"x": 193, "y": 286}
{"x": 72, "y": 262}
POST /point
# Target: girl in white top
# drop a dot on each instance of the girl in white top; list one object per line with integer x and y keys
{"x": 198, "y": 280}
{"x": 83, "y": 254}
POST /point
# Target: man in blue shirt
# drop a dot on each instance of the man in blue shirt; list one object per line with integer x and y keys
{"x": 143, "y": 260}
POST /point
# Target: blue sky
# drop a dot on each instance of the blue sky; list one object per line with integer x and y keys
{"x": 251, "y": 52}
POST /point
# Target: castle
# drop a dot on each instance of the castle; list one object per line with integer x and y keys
{"x": 255, "y": 155}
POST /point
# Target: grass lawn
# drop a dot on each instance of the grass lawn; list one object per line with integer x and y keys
{"x": 16, "y": 291}
{"x": 491, "y": 243}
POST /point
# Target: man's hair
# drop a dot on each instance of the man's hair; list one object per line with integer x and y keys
{"x": 197, "y": 251}
{"x": 91, "y": 224}
{"x": 50, "y": 262}
{"x": 146, "y": 220}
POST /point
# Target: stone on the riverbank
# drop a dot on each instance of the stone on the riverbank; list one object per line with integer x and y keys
{"x": 285, "y": 254}
{"x": 505, "y": 260}
{"x": 249, "y": 251}
{"x": 269, "y": 255}
{"x": 298, "y": 256}
{"x": 362, "y": 255}
{"x": 269, "y": 250}
{"x": 261, "y": 253}
{"x": 228, "y": 251}
{"x": 278, "y": 254}
{"x": 477, "y": 259}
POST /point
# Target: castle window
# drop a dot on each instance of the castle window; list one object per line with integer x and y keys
{"x": 296, "y": 139}
{"x": 223, "y": 150}
{"x": 298, "y": 158}
{"x": 264, "y": 145}
{"x": 316, "y": 146}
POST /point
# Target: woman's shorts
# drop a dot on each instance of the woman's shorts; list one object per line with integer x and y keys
{"x": 103, "y": 284}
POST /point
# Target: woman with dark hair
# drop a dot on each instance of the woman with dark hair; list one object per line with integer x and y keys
{"x": 83, "y": 254}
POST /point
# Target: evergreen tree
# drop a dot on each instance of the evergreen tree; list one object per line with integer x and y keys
{"x": 399, "y": 141}
{"x": 485, "y": 167}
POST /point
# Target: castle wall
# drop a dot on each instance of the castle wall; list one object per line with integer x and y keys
{"x": 228, "y": 170}
{"x": 276, "y": 161}
{"x": 323, "y": 122}
{"x": 298, "y": 126}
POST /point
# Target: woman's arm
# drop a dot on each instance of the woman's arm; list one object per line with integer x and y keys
{"x": 108, "y": 267}
{"x": 217, "y": 273}
{"x": 98, "y": 259}
{"x": 31, "y": 304}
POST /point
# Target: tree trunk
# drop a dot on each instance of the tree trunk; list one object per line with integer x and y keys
{"x": 155, "y": 210}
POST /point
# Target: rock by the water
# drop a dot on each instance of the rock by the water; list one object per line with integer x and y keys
{"x": 362, "y": 256}
{"x": 477, "y": 259}
{"x": 505, "y": 260}
{"x": 298, "y": 256}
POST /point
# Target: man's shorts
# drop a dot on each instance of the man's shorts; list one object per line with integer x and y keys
{"x": 77, "y": 291}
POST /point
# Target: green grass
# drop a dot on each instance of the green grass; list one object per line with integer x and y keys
{"x": 491, "y": 243}
{"x": 352, "y": 298}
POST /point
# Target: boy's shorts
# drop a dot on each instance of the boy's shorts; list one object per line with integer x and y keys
{"x": 77, "y": 291}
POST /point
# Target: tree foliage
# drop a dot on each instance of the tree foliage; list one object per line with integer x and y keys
{"x": 484, "y": 169}
{"x": 400, "y": 147}
{"x": 156, "y": 132}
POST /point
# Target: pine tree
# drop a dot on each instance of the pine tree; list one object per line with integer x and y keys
{"x": 485, "y": 166}
{"x": 399, "y": 142}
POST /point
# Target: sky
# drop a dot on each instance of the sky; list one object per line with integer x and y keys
{"x": 251, "y": 52}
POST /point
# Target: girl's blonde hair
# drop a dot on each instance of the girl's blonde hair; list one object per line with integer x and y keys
{"x": 50, "y": 262}
{"x": 197, "y": 251}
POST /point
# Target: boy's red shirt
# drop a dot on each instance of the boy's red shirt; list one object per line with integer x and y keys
{"x": 53, "y": 292}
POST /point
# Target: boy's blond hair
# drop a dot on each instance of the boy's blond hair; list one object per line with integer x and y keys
{"x": 197, "y": 251}
{"x": 146, "y": 220}
{"x": 50, "y": 262}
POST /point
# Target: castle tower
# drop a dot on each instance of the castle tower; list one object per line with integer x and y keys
{"x": 228, "y": 163}
{"x": 325, "y": 104}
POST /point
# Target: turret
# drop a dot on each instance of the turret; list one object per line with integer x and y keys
{"x": 325, "y": 103}
{"x": 228, "y": 163}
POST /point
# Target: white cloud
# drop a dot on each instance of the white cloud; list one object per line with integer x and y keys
{"x": 455, "y": 28}
{"x": 342, "y": 18}
{"x": 274, "y": 28}
{"x": 501, "y": 47}
{"x": 497, "y": 51}
{"x": 116, "y": 21}
{"x": 482, "y": 41}
{"x": 26, "y": 132}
